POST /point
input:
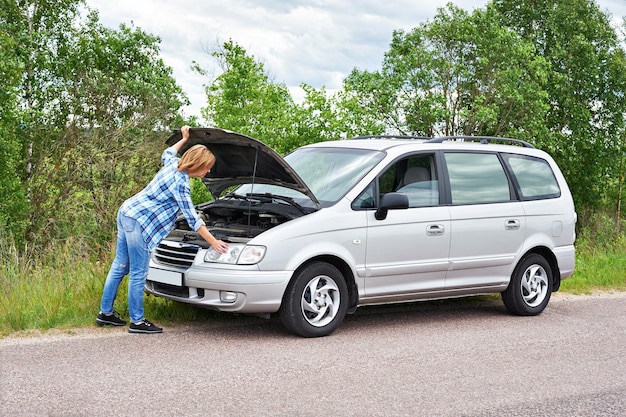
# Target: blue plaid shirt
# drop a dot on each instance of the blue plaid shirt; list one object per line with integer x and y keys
{"x": 157, "y": 206}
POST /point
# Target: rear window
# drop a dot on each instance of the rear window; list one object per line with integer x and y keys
{"x": 534, "y": 177}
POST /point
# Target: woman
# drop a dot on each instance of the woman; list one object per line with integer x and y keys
{"x": 144, "y": 220}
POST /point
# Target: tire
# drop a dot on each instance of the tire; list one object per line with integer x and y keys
{"x": 530, "y": 288}
{"x": 315, "y": 301}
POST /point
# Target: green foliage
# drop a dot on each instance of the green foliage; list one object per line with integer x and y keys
{"x": 14, "y": 208}
{"x": 330, "y": 117}
{"x": 459, "y": 74}
{"x": 61, "y": 288}
{"x": 42, "y": 292}
{"x": 115, "y": 79}
{"x": 243, "y": 98}
{"x": 87, "y": 118}
{"x": 600, "y": 255}
{"x": 585, "y": 89}
{"x": 199, "y": 192}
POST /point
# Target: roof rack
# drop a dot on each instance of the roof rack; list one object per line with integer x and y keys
{"x": 482, "y": 139}
{"x": 392, "y": 137}
{"x": 428, "y": 139}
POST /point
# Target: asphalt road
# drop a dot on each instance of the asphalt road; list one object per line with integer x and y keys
{"x": 463, "y": 357}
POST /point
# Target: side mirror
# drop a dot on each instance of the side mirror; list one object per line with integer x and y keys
{"x": 391, "y": 201}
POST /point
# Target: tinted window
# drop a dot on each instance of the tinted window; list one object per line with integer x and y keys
{"x": 534, "y": 177}
{"x": 477, "y": 178}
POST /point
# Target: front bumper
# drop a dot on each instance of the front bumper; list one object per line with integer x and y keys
{"x": 223, "y": 289}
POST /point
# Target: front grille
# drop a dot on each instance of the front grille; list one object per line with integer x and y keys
{"x": 176, "y": 254}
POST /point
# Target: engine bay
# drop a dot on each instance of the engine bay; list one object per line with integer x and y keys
{"x": 238, "y": 219}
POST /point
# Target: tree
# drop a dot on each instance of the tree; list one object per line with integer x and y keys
{"x": 91, "y": 102}
{"x": 31, "y": 32}
{"x": 12, "y": 198}
{"x": 585, "y": 89}
{"x": 323, "y": 116}
{"x": 458, "y": 74}
{"x": 244, "y": 99}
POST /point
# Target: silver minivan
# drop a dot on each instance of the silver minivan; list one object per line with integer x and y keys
{"x": 336, "y": 225}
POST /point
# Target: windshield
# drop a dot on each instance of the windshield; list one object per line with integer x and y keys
{"x": 329, "y": 172}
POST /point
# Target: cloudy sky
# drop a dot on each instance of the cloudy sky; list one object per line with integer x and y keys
{"x": 314, "y": 42}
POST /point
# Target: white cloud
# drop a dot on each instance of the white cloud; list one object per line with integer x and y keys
{"x": 314, "y": 42}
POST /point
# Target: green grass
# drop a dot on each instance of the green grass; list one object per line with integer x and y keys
{"x": 598, "y": 268}
{"x": 61, "y": 289}
{"x": 56, "y": 291}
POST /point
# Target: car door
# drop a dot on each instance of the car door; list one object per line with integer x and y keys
{"x": 407, "y": 251}
{"x": 488, "y": 224}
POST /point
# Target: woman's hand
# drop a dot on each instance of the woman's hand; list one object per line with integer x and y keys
{"x": 219, "y": 246}
{"x": 185, "y": 132}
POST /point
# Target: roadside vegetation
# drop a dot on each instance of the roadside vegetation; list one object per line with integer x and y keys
{"x": 600, "y": 259}
{"x": 85, "y": 110}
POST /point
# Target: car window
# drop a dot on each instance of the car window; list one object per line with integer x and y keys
{"x": 534, "y": 177}
{"x": 367, "y": 199}
{"x": 418, "y": 180}
{"x": 477, "y": 178}
{"x": 331, "y": 172}
{"x": 328, "y": 172}
{"x": 414, "y": 176}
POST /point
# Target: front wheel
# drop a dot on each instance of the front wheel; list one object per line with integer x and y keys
{"x": 315, "y": 301}
{"x": 530, "y": 288}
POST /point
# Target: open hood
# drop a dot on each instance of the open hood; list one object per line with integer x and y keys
{"x": 241, "y": 160}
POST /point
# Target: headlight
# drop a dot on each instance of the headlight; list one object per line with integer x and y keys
{"x": 236, "y": 254}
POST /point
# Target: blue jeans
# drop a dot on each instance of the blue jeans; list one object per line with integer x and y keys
{"x": 132, "y": 258}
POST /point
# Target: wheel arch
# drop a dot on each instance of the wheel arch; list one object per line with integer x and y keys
{"x": 346, "y": 272}
{"x": 549, "y": 256}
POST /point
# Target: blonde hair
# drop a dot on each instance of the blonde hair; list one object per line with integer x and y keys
{"x": 198, "y": 156}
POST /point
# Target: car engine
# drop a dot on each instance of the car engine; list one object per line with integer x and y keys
{"x": 237, "y": 219}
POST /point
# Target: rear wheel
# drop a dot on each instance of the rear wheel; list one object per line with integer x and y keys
{"x": 530, "y": 288}
{"x": 315, "y": 301}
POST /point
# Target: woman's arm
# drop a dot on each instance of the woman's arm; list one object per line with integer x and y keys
{"x": 218, "y": 245}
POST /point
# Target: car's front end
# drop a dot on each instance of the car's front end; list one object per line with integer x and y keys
{"x": 261, "y": 208}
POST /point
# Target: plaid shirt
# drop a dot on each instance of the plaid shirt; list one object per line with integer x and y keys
{"x": 157, "y": 206}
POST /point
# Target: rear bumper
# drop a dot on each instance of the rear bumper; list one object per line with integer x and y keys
{"x": 565, "y": 257}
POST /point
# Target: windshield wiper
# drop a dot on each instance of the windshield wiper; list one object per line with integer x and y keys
{"x": 269, "y": 197}
{"x": 235, "y": 196}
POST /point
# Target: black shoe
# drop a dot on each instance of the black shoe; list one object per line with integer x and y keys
{"x": 144, "y": 326}
{"x": 112, "y": 319}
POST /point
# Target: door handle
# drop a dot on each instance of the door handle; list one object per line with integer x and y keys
{"x": 512, "y": 224}
{"x": 435, "y": 230}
